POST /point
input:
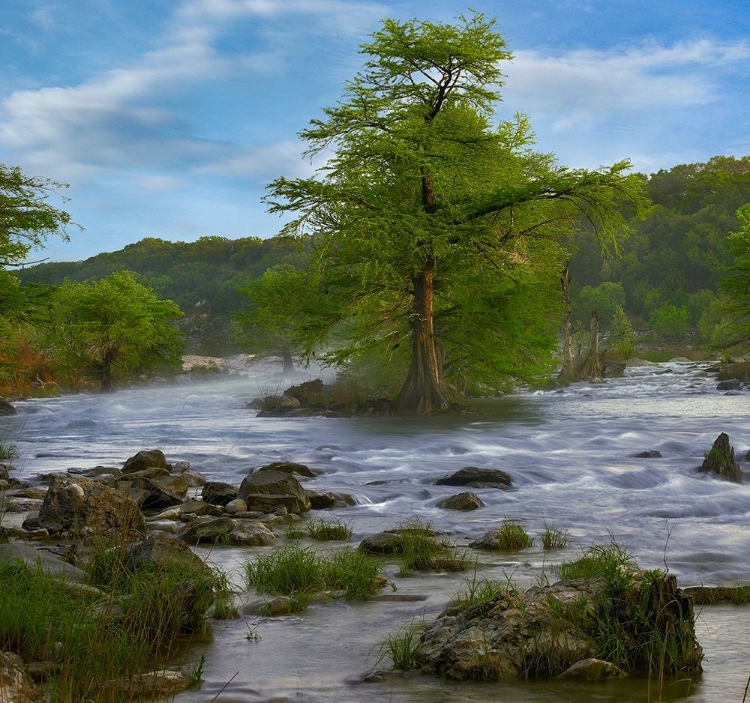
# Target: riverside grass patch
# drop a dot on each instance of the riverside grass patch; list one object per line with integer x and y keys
{"x": 95, "y": 637}
{"x": 299, "y": 572}
{"x": 328, "y": 531}
{"x": 419, "y": 549}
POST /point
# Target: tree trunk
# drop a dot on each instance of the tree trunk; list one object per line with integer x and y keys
{"x": 424, "y": 389}
{"x": 106, "y": 374}
{"x": 288, "y": 363}
{"x": 568, "y": 367}
{"x": 592, "y": 368}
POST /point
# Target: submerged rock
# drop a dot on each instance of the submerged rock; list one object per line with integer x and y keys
{"x": 593, "y": 670}
{"x": 475, "y": 477}
{"x": 461, "y": 501}
{"x": 649, "y": 454}
{"x": 733, "y": 384}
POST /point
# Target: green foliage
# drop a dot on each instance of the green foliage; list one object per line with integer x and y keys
{"x": 324, "y": 530}
{"x": 605, "y": 299}
{"x": 511, "y": 537}
{"x": 114, "y": 328}
{"x": 26, "y": 218}
{"x": 671, "y": 321}
{"x": 402, "y": 648}
{"x": 95, "y": 638}
{"x": 419, "y": 550}
{"x": 610, "y": 562}
{"x": 623, "y": 335}
{"x": 478, "y": 592}
{"x": 299, "y": 572}
{"x": 554, "y": 538}
{"x": 736, "y": 284}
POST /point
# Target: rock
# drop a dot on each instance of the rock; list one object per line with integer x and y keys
{"x": 307, "y": 392}
{"x": 267, "y": 490}
{"x": 382, "y": 543}
{"x": 639, "y": 362}
{"x": 251, "y": 534}
{"x": 31, "y": 522}
{"x": 321, "y": 500}
{"x": 649, "y": 454}
{"x": 150, "y": 472}
{"x": 144, "y": 460}
{"x": 546, "y": 629}
{"x": 50, "y": 563}
{"x": 289, "y": 467}
{"x": 720, "y": 460}
{"x": 96, "y": 472}
{"x": 84, "y": 505}
{"x": 613, "y": 368}
{"x": 212, "y": 530}
{"x": 593, "y": 670}
{"x": 218, "y": 493}
{"x": 475, "y": 477}
{"x": 281, "y": 605}
{"x": 16, "y": 686}
{"x": 179, "y": 467}
{"x": 461, "y": 501}
{"x": 158, "y": 551}
{"x": 157, "y": 494}
{"x": 733, "y": 384}
{"x": 494, "y": 539}
{"x": 193, "y": 478}
{"x": 236, "y": 506}
{"x": 6, "y": 408}
{"x": 378, "y": 406}
{"x": 680, "y": 360}
{"x": 4, "y": 469}
{"x": 188, "y": 511}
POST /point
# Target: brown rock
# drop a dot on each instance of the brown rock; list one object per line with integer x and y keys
{"x": 144, "y": 460}
{"x": 16, "y": 686}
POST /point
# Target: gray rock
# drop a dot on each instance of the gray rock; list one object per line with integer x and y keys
{"x": 649, "y": 454}
{"x": 159, "y": 551}
{"x": 212, "y": 530}
{"x": 720, "y": 460}
{"x": 461, "y": 501}
{"x": 733, "y": 384}
{"x": 251, "y": 534}
{"x": 49, "y": 562}
{"x": 236, "y": 506}
{"x": 6, "y": 408}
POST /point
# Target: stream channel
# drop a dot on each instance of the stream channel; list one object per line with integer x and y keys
{"x": 571, "y": 456}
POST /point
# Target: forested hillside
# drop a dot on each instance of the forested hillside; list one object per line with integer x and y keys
{"x": 667, "y": 275}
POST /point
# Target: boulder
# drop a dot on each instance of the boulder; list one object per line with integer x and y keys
{"x": 474, "y": 477}
{"x": 545, "y": 630}
{"x": 321, "y": 500}
{"x": 16, "y": 686}
{"x": 86, "y": 506}
{"x": 733, "y": 384}
{"x": 155, "y": 493}
{"x": 6, "y": 408}
{"x": 461, "y": 501}
{"x": 649, "y": 454}
{"x": 50, "y": 563}
{"x": 193, "y": 478}
{"x": 267, "y": 490}
{"x": 160, "y": 684}
{"x": 720, "y": 460}
{"x": 613, "y": 368}
{"x": 218, "y": 493}
{"x": 289, "y": 467}
{"x": 144, "y": 460}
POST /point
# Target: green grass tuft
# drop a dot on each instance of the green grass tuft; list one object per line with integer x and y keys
{"x": 552, "y": 538}
{"x": 325, "y": 531}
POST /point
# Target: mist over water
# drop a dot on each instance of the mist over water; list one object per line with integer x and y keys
{"x": 570, "y": 453}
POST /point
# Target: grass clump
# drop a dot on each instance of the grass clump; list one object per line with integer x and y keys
{"x": 552, "y": 538}
{"x": 402, "y": 648}
{"x": 511, "y": 537}
{"x": 611, "y": 562}
{"x": 478, "y": 592}
{"x": 420, "y": 550}
{"x": 98, "y": 637}
{"x": 295, "y": 571}
{"x": 325, "y": 531}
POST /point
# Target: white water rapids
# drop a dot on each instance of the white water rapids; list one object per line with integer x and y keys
{"x": 571, "y": 456}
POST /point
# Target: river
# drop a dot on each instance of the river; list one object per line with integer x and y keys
{"x": 572, "y": 458}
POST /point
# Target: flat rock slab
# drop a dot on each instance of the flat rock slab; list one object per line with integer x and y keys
{"x": 475, "y": 477}
{"x": 48, "y": 562}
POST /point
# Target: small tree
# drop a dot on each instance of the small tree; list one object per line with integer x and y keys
{"x": 115, "y": 328}
{"x": 275, "y": 313}
{"x": 623, "y": 335}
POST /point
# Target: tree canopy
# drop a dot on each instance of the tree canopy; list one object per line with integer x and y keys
{"x": 438, "y": 233}
{"x": 116, "y": 327}
{"x": 26, "y": 218}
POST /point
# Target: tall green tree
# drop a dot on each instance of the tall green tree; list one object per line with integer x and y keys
{"x": 735, "y": 329}
{"x": 438, "y": 232}
{"x": 26, "y": 218}
{"x": 276, "y": 308}
{"x": 115, "y": 328}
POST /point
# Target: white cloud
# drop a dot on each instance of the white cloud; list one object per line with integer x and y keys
{"x": 594, "y": 85}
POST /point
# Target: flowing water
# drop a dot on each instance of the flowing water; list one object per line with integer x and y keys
{"x": 571, "y": 456}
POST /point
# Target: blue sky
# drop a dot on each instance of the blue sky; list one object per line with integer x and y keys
{"x": 169, "y": 117}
